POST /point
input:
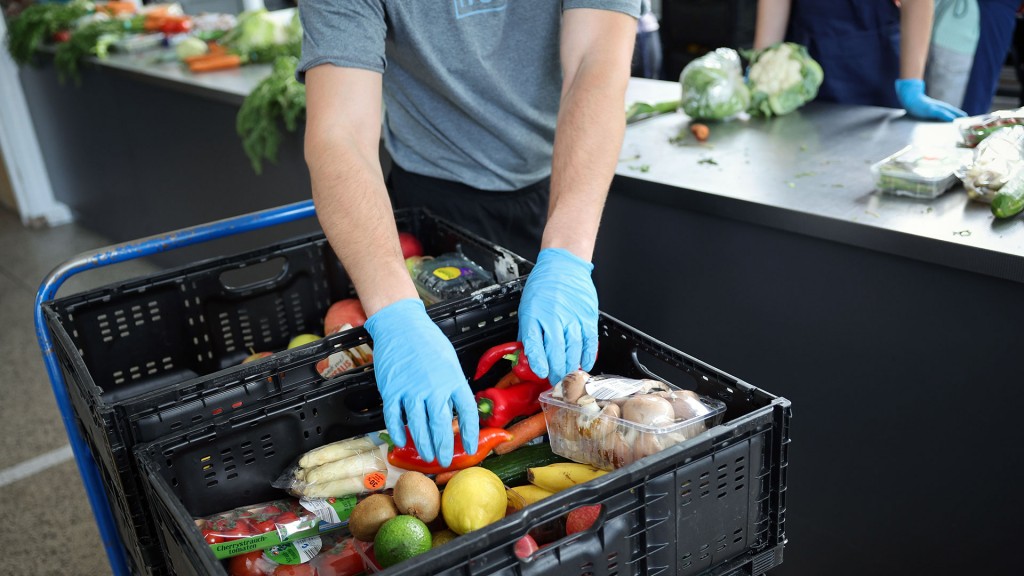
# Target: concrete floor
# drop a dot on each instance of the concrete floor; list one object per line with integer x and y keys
{"x": 41, "y": 495}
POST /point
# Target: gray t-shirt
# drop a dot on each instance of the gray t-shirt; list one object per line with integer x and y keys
{"x": 471, "y": 87}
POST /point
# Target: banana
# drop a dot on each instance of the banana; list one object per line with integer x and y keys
{"x": 557, "y": 477}
{"x": 531, "y": 493}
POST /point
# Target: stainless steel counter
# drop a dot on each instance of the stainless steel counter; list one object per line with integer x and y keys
{"x": 160, "y": 67}
{"x": 808, "y": 172}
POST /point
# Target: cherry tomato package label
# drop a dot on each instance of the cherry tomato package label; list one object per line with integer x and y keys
{"x": 609, "y": 421}
{"x": 263, "y": 526}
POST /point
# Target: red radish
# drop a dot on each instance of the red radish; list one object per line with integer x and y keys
{"x": 347, "y": 311}
{"x": 411, "y": 245}
{"x": 526, "y": 546}
{"x": 582, "y": 518}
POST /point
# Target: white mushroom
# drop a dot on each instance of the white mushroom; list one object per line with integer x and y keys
{"x": 574, "y": 386}
{"x": 685, "y": 403}
{"x": 649, "y": 410}
{"x": 648, "y": 386}
{"x": 604, "y": 428}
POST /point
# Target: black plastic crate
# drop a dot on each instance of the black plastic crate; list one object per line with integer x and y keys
{"x": 713, "y": 504}
{"x": 150, "y": 356}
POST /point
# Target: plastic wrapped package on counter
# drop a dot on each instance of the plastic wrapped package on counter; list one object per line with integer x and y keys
{"x": 996, "y": 160}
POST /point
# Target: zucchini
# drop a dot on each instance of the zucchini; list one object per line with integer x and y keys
{"x": 511, "y": 467}
{"x": 1009, "y": 200}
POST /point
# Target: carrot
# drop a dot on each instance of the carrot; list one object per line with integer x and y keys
{"x": 443, "y": 478}
{"x": 522, "y": 432}
{"x": 215, "y": 62}
{"x": 507, "y": 380}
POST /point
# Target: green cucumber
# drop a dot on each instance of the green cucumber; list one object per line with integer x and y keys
{"x": 1009, "y": 200}
{"x": 511, "y": 467}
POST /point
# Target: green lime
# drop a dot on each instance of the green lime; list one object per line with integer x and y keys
{"x": 399, "y": 539}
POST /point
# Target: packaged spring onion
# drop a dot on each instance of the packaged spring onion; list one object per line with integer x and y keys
{"x": 919, "y": 172}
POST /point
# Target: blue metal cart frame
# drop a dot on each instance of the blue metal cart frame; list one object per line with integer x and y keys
{"x": 114, "y": 255}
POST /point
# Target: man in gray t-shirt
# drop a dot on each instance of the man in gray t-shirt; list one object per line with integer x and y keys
{"x": 486, "y": 102}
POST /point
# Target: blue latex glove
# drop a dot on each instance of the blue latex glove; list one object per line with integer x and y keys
{"x": 417, "y": 369}
{"x": 910, "y": 92}
{"x": 558, "y": 315}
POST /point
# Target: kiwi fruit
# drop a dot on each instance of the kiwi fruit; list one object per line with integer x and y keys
{"x": 369, "y": 515}
{"x": 417, "y": 495}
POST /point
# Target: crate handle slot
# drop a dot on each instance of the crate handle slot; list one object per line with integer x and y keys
{"x": 246, "y": 278}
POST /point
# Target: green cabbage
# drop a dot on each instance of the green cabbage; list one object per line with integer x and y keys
{"x": 782, "y": 78}
{"x": 713, "y": 87}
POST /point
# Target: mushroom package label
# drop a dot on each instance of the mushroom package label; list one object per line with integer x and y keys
{"x": 603, "y": 387}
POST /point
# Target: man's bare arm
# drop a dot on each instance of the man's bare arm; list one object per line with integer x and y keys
{"x": 772, "y": 20}
{"x": 342, "y": 142}
{"x": 596, "y": 50}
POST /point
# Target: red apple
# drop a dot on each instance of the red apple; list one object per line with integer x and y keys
{"x": 256, "y": 356}
{"x": 411, "y": 245}
{"x": 582, "y": 518}
{"x": 347, "y": 311}
{"x": 525, "y": 546}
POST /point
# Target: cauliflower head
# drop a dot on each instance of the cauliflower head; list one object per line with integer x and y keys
{"x": 782, "y": 78}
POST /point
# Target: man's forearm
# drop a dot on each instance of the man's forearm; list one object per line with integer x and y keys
{"x": 353, "y": 208}
{"x": 916, "y": 18}
{"x": 588, "y": 138}
{"x": 348, "y": 188}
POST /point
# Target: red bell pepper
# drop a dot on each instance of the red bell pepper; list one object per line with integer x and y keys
{"x": 510, "y": 351}
{"x": 498, "y": 406}
{"x": 407, "y": 458}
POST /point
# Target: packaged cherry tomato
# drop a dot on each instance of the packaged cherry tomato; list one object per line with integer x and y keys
{"x": 332, "y": 554}
{"x": 263, "y": 526}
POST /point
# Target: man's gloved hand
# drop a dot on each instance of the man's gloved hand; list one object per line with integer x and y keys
{"x": 910, "y": 92}
{"x": 558, "y": 315}
{"x": 417, "y": 369}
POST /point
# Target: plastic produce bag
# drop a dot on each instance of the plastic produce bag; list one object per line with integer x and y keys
{"x": 713, "y": 87}
{"x": 262, "y": 526}
{"x": 610, "y": 421}
{"x": 344, "y": 468}
{"x": 974, "y": 129}
{"x": 996, "y": 160}
{"x": 332, "y": 554}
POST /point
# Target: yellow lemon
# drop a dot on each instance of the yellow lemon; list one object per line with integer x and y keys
{"x": 473, "y": 498}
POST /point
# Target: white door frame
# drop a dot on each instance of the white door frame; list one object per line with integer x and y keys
{"x": 21, "y": 152}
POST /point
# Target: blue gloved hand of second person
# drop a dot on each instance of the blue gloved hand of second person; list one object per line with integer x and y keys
{"x": 910, "y": 92}
{"x": 558, "y": 315}
{"x": 417, "y": 370}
